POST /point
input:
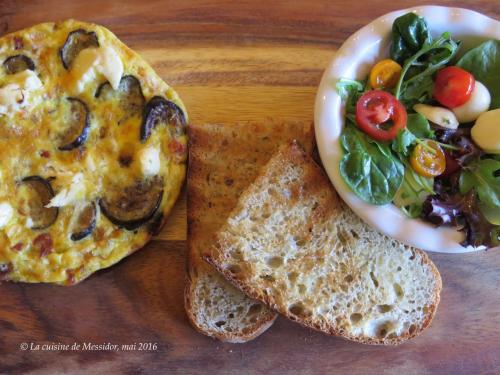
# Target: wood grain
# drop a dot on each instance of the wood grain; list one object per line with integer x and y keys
{"x": 231, "y": 61}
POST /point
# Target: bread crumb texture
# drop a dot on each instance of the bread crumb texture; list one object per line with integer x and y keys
{"x": 223, "y": 161}
{"x": 291, "y": 243}
{"x": 222, "y": 309}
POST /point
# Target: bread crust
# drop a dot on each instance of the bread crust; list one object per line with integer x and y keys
{"x": 241, "y": 337}
{"x": 223, "y": 161}
{"x": 216, "y": 257}
{"x": 308, "y": 323}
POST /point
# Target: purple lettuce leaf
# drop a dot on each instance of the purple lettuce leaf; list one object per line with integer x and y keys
{"x": 461, "y": 138}
{"x": 461, "y": 211}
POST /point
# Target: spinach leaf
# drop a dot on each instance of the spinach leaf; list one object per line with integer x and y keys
{"x": 409, "y": 34}
{"x": 369, "y": 168}
{"x": 483, "y": 176}
{"x": 419, "y": 126}
{"x": 415, "y": 188}
{"x": 492, "y": 214}
{"x": 413, "y": 210}
{"x": 413, "y": 192}
{"x": 484, "y": 63}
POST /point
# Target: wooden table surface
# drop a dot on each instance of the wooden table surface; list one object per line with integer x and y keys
{"x": 231, "y": 61}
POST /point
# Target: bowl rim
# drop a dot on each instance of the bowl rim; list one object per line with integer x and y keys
{"x": 413, "y": 232}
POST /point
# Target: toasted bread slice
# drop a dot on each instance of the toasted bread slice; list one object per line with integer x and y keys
{"x": 224, "y": 160}
{"x": 291, "y": 244}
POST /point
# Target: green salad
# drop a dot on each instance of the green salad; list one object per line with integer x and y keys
{"x": 422, "y": 131}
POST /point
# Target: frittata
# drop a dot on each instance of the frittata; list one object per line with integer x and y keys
{"x": 93, "y": 151}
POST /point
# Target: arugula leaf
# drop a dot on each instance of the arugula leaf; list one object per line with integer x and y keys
{"x": 417, "y": 91}
{"x": 484, "y": 64}
{"x": 350, "y": 90}
{"x": 483, "y": 177}
{"x": 403, "y": 141}
{"x": 439, "y": 53}
{"x": 409, "y": 34}
{"x": 346, "y": 86}
{"x": 369, "y": 168}
{"x": 417, "y": 127}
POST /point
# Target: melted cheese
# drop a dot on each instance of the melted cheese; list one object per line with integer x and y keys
{"x": 70, "y": 195}
{"x": 16, "y": 91}
{"x": 6, "y": 212}
{"x": 27, "y": 79}
{"x": 29, "y": 222}
{"x": 92, "y": 62}
{"x": 150, "y": 161}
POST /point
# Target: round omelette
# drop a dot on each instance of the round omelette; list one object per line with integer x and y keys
{"x": 93, "y": 151}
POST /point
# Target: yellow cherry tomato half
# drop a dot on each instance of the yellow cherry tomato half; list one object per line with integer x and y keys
{"x": 385, "y": 74}
{"x": 428, "y": 159}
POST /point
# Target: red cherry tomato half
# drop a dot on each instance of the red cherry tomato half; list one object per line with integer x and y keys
{"x": 380, "y": 115}
{"x": 453, "y": 86}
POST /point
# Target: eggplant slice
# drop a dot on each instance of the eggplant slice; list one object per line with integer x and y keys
{"x": 18, "y": 63}
{"x": 35, "y": 193}
{"x": 77, "y": 125}
{"x": 135, "y": 205}
{"x": 76, "y": 41}
{"x": 160, "y": 110}
{"x": 129, "y": 96}
{"x": 156, "y": 224}
{"x": 85, "y": 222}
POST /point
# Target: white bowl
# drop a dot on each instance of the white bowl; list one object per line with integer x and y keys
{"x": 354, "y": 60}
